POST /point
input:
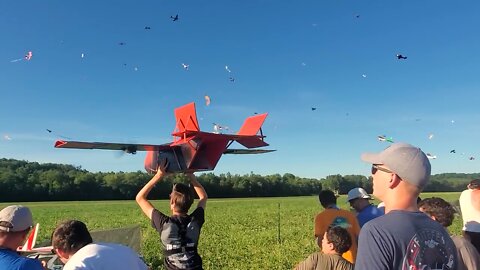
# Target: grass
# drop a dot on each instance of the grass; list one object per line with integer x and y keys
{"x": 237, "y": 234}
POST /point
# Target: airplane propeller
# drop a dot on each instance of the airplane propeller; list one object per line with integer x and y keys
{"x": 129, "y": 149}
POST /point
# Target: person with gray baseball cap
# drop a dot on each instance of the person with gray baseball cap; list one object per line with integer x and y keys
{"x": 15, "y": 223}
{"x": 403, "y": 238}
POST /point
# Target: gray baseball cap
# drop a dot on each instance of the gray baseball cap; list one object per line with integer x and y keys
{"x": 405, "y": 160}
{"x": 15, "y": 218}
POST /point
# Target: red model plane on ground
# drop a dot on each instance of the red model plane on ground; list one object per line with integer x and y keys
{"x": 191, "y": 150}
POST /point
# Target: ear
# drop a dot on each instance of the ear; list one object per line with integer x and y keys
{"x": 64, "y": 256}
{"x": 394, "y": 181}
{"x": 331, "y": 247}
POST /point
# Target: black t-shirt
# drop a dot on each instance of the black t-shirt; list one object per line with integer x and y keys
{"x": 179, "y": 236}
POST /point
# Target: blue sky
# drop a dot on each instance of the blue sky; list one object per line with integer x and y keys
{"x": 286, "y": 57}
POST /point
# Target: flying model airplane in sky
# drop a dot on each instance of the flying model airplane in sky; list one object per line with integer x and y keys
{"x": 191, "y": 150}
{"x": 384, "y": 138}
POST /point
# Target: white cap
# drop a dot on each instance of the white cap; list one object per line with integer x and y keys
{"x": 15, "y": 218}
{"x": 356, "y": 193}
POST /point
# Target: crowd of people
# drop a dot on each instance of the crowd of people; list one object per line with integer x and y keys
{"x": 403, "y": 233}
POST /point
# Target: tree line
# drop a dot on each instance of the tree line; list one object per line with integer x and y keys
{"x": 30, "y": 181}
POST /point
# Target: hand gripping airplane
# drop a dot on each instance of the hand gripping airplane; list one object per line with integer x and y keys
{"x": 191, "y": 150}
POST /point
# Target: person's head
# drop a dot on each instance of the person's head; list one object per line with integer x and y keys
{"x": 336, "y": 240}
{"x": 438, "y": 209}
{"x": 358, "y": 198}
{"x": 400, "y": 168}
{"x": 327, "y": 197}
{"x": 69, "y": 237}
{"x": 181, "y": 198}
{"x": 474, "y": 184}
{"x": 15, "y": 223}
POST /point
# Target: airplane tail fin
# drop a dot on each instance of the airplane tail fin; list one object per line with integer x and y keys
{"x": 31, "y": 239}
{"x": 186, "y": 119}
{"x": 250, "y": 127}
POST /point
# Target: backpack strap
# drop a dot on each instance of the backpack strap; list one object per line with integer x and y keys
{"x": 182, "y": 232}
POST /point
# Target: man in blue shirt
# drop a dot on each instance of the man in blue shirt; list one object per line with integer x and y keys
{"x": 359, "y": 200}
{"x": 403, "y": 238}
{"x": 15, "y": 223}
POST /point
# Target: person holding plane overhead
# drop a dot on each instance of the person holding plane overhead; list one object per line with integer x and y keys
{"x": 179, "y": 233}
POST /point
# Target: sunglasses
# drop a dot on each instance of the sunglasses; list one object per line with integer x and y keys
{"x": 376, "y": 168}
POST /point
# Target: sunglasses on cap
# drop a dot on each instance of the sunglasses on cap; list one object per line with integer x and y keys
{"x": 376, "y": 167}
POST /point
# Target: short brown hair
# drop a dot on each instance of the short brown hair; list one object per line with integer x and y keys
{"x": 474, "y": 184}
{"x": 70, "y": 236}
{"x": 340, "y": 238}
{"x": 443, "y": 212}
{"x": 181, "y": 197}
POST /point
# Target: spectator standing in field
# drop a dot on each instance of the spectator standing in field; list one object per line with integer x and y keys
{"x": 470, "y": 207}
{"x": 73, "y": 244}
{"x": 335, "y": 242}
{"x": 403, "y": 238}
{"x": 334, "y": 216}
{"x": 180, "y": 232}
{"x": 359, "y": 200}
{"x": 444, "y": 213}
{"x": 15, "y": 223}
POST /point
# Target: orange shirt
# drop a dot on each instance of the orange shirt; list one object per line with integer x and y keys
{"x": 344, "y": 219}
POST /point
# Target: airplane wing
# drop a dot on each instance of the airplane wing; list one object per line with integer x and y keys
{"x": 247, "y": 151}
{"x": 127, "y": 147}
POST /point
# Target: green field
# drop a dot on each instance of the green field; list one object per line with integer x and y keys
{"x": 237, "y": 234}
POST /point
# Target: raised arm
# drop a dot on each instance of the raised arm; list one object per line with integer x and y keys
{"x": 142, "y": 195}
{"x": 202, "y": 194}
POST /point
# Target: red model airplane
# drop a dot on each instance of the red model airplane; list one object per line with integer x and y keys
{"x": 191, "y": 150}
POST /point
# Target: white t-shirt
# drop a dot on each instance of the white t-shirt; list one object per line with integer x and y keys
{"x": 103, "y": 256}
{"x": 470, "y": 215}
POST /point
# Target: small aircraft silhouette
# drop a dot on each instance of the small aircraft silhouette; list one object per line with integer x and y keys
{"x": 217, "y": 128}
{"x": 185, "y": 66}
{"x": 453, "y": 151}
{"x": 174, "y": 18}
{"x": 384, "y": 138}
{"x": 191, "y": 150}
{"x": 400, "y": 57}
